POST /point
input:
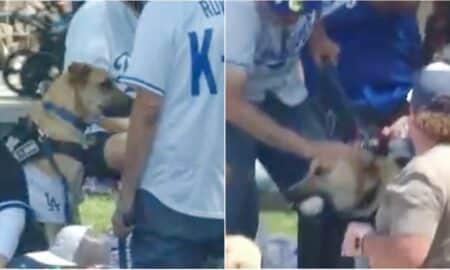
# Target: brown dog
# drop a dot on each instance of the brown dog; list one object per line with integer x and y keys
{"x": 354, "y": 185}
{"x": 84, "y": 92}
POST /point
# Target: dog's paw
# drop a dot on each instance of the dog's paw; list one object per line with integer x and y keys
{"x": 311, "y": 206}
{"x": 241, "y": 252}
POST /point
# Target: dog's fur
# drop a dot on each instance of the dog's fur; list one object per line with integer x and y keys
{"x": 83, "y": 91}
{"x": 354, "y": 185}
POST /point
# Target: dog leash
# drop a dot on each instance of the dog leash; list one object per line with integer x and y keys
{"x": 122, "y": 250}
{"x": 128, "y": 221}
{"x": 341, "y": 101}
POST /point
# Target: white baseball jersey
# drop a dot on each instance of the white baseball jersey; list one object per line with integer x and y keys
{"x": 268, "y": 51}
{"x": 179, "y": 54}
{"x": 101, "y": 34}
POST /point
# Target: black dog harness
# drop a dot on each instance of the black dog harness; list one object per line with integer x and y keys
{"x": 26, "y": 142}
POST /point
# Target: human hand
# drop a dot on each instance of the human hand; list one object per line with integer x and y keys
{"x": 399, "y": 129}
{"x": 322, "y": 48}
{"x": 3, "y": 261}
{"x": 352, "y": 245}
{"x": 124, "y": 209}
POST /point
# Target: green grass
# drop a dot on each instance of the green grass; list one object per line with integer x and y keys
{"x": 280, "y": 222}
{"x": 96, "y": 211}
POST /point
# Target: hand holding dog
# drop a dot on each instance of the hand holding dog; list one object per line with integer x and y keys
{"x": 399, "y": 129}
{"x": 352, "y": 245}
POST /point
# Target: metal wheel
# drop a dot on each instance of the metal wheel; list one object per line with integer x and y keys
{"x": 38, "y": 68}
{"x": 4, "y": 52}
{"x": 12, "y": 69}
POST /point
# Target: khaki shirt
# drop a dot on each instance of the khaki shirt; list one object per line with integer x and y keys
{"x": 417, "y": 202}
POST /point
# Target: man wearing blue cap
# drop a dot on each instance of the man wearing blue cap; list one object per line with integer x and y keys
{"x": 268, "y": 114}
{"x": 413, "y": 220}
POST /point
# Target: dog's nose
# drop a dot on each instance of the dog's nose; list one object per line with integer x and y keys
{"x": 319, "y": 171}
{"x": 119, "y": 109}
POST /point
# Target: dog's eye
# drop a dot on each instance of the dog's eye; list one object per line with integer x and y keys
{"x": 106, "y": 84}
{"x": 319, "y": 171}
{"x": 402, "y": 162}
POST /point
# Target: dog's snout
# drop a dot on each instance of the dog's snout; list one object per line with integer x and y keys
{"x": 120, "y": 105}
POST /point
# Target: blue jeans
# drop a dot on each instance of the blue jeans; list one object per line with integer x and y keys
{"x": 284, "y": 168}
{"x": 164, "y": 238}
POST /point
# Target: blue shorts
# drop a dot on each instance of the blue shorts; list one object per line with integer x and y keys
{"x": 164, "y": 238}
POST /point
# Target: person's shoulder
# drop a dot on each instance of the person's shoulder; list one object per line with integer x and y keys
{"x": 102, "y": 10}
{"x": 431, "y": 167}
{"x": 166, "y": 7}
{"x": 439, "y": 150}
{"x": 432, "y": 160}
{"x": 245, "y": 10}
{"x": 244, "y": 6}
{"x": 91, "y": 9}
{"x": 92, "y": 14}
{"x": 161, "y": 12}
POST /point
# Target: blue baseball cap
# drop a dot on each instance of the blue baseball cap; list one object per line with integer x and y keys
{"x": 287, "y": 7}
{"x": 431, "y": 88}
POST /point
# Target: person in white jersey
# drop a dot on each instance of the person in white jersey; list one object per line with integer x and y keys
{"x": 269, "y": 115}
{"x": 173, "y": 178}
{"x": 101, "y": 33}
{"x": 263, "y": 44}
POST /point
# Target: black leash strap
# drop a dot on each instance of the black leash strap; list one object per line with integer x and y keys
{"x": 341, "y": 101}
{"x": 49, "y": 153}
{"x": 122, "y": 250}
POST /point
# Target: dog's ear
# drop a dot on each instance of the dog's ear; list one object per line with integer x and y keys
{"x": 370, "y": 164}
{"x": 79, "y": 74}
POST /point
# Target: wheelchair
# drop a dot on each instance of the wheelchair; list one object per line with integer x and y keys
{"x": 24, "y": 70}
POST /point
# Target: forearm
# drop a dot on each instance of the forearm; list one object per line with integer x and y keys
{"x": 140, "y": 136}
{"x": 115, "y": 124}
{"x": 395, "y": 251}
{"x": 12, "y": 224}
{"x": 3, "y": 261}
{"x": 249, "y": 118}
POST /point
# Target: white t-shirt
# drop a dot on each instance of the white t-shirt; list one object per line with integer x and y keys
{"x": 185, "y": 65}
{"x": 267, "y": 51}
